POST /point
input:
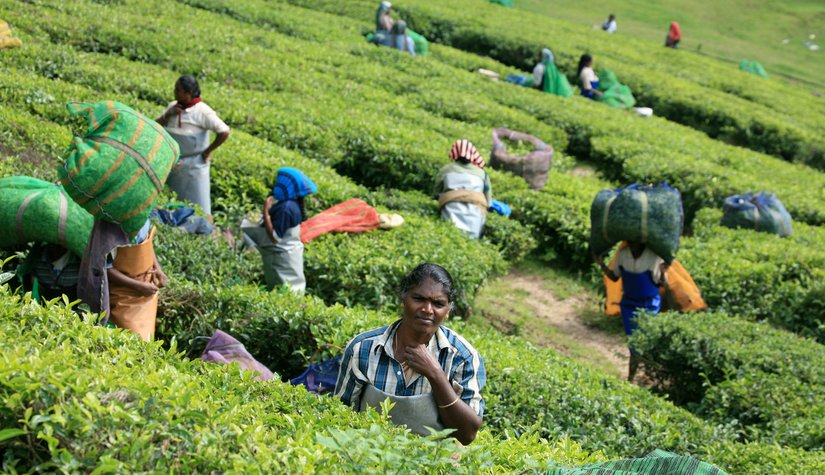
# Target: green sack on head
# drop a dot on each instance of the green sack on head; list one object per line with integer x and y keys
{"x": 652, "y": 215}
{"x": 33, "y": 210}
{"x": 615, "y": 94}
{"x": 422, "y": 46}
{"x": 117, "y": 168}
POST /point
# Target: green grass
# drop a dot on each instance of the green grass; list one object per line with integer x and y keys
{"x": 729, "y": 30}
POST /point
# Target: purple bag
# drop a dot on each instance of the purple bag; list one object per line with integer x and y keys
{"x": 223, "y": 348}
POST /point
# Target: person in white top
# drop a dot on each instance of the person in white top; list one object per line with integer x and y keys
{"x": 642, "y": 273}
{"x": 609, "y": 25}
{"x": 588, "y": 81}
{"x": 188, "y": 120}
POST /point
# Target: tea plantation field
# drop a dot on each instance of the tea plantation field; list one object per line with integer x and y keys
{"x": 742, "y": 385}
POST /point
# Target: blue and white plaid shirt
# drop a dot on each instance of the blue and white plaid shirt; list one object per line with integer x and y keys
{"x": 369, "y": 359}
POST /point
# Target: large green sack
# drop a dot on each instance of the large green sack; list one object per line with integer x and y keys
{"x": 422, "y": 46}
{"x": 753, "y": 67}
{"x": 652, "y": 215}
{"x": 33, "y": 210}
{"x": 615, "y": 94}
{"x": 758, "y": 211}
{"x": 658, "y": 462}
{"x": 506, "y": 3}
{"x": 117, "y": 168}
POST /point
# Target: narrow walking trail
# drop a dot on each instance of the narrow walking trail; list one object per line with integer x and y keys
{"x": 547, "y": 312}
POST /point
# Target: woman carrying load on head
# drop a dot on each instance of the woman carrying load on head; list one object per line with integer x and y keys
{"x": 279, "y": 240}
{"x": 674, "y": 35}
{"x": 432, "y": 374}
{"x": 188, "y": 120}
{"x": 642, "y": 273}
{"x": 588, "y": 81}
{"x": 463, "y": 189}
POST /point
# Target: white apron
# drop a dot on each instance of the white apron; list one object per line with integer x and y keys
{"x": 465, "y": 216}
{"x": 283, "y": 260}
{"x": 415, "y": 412}
{"x": 190, "y": 177}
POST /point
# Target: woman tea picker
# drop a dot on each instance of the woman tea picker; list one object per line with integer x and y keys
{"x": 432, "y": 374}
{"x": 188, "y": 120}
{"x": 642, "y": 273}
{"x": 463, "y": 189}
{"x": 279, "y": 240}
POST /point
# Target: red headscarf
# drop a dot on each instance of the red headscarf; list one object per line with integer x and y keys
{"x": 675, "y": 31}
{"x": 465, "y": 149}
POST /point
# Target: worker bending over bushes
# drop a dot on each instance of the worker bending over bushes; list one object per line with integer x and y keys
{"x": 463, "y": 189}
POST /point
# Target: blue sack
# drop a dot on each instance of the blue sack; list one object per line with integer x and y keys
{"x": 758, "y": 211}
{"x": 519, "y": 79}
{"x": 500, "y": 208}
{"x": 172, "y": 218}
{"x": 319, "y": 378}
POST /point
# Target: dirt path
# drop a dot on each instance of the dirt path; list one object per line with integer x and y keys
{"x": 564, "y": 315}
{"x": 524, "y": 303}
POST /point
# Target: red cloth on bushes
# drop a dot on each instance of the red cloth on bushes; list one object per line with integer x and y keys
{"x": 351, "y": 216}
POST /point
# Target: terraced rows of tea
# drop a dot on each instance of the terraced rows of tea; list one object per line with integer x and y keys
{"x": 301, "y": 87}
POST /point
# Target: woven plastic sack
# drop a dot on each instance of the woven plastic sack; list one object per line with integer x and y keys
{"x": 652, "y": 215}
{"x": 33, "y": 210}
{"x": 118, "y": 167}
{"x": 758, "y": 211}
{"x": 520, "y": 79}
{"x": 533, "y": 167}
{"x": 422, "y": 46}
{"x": 615, "y": 94}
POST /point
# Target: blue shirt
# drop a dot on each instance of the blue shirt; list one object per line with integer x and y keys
{"x": 369, "y": 359}
{"x": 284, "y": 215}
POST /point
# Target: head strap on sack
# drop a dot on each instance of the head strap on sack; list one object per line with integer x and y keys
{"x": 465, "y": 149}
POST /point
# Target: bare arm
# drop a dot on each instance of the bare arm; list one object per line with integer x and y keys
{"x": 267, "y": 219}
{"x": 607, "y": 271}
{"x": 143, "y": 288}
{"x": 455, "y": 413}
{"x": 219, "y": 140}
{"x": 167, "y": 114}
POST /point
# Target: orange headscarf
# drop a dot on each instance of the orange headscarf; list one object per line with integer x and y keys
{"x": 465, "y": 149}
{"x": 675, "y": 31}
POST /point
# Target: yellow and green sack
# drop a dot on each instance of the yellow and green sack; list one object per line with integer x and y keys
{"x": 117, "y": 168}
{"x": 33, "y": 210}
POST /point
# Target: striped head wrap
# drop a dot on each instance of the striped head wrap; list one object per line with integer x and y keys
{"x": 291, "y": 184}
{"x": 465, "y": 149}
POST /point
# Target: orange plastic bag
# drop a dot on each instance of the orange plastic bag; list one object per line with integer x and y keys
{"x": 680, "y": 293}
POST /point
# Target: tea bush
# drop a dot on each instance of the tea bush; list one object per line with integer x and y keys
{"x": 760, "y": 276}
{"x": 767, "y": 382}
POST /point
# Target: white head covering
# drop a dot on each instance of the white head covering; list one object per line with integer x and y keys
{"x": 386, "y": 5}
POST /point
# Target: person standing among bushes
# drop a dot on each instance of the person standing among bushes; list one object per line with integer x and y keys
{"x": 463, "y": 189}
{"x": 674, "y": 35}
{"x": 588, "y": 81}
{"x": 188, "y": 120}
{"x": 279, "y": 240}
{"x": 134, "y": 276}
{"x": 50, "y": 271}
{"x": 642, "y": 273}
{"x": 432, "y": 374}
{"x": 383, "y": 18}
{"x": 609, "y": 25}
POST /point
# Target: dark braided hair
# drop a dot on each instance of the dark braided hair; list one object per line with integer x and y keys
{"x": 424, "y": 271}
